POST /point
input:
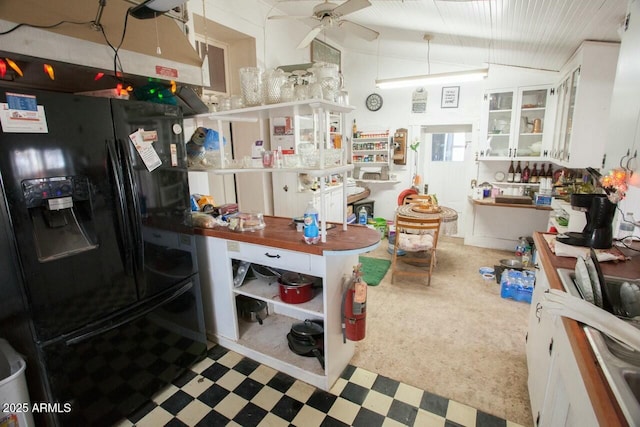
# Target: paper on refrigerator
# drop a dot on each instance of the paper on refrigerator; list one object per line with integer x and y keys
{"x": 144, "y": 146}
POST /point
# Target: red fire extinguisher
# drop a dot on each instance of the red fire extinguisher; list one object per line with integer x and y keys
{"x": 354, "y": 305}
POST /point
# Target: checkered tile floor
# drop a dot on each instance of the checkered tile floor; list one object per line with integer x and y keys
{"x": 229, "y": 389}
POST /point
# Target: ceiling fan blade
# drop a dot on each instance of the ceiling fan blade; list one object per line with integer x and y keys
{"x": 350, "y": 6}
{"x": 289, "y": 17}
{"x": 359, "y": 30}
{"x": 310, "y": 36}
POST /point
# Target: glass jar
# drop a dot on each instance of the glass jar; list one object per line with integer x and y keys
{"x": 274, "y": 79}
{"x": 224, "y": 104}
{"x": 237, "y": 102}
{"x": 315, "y": 88}
{"x": 287, "y": 92}
{"x": 251, "y": 85}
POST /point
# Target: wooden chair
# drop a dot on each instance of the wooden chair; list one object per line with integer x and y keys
{"x": 418, "y": 198}
{"x": 418, "y": 238}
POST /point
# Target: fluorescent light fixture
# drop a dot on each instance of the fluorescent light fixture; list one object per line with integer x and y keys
{"x": 152, "y": 8}
{"x": 433, "y": 79}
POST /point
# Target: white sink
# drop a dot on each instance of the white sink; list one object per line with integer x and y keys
{"x": 620, "y": 364}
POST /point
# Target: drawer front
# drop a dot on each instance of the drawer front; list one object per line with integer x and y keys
{"x": 273, "y": 257}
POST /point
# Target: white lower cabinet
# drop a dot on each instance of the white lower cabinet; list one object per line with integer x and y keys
{"x": 290, "y": 201}
{"x": 267, "y": 343}
{"x": 556, "y": 388}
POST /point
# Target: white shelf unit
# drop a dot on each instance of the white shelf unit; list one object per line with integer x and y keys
{"x": 323, "y": 116}
{"x": 267, "y": 343}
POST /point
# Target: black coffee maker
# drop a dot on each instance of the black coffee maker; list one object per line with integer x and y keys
{"x": 599, "y": 211}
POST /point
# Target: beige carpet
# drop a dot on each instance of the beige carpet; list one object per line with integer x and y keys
{"x": 456, "y": 338}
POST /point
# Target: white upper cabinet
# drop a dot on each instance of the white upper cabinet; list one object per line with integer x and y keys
{"x": 516, "y": 123}
{"x": 584, "y": 98}
{"x": 624, "y": 123}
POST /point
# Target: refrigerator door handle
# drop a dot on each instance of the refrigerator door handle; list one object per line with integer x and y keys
{"x": 134, "y": 211}
{"x": 129, "y": 317}
{"x": 122, "y": 223}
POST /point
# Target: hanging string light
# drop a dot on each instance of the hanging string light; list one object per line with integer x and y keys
{"x": 48, "y": 69}
{"x": 3, "y": 68}
{"x": 14, "y": 67}
{"x": 98, "y": 76}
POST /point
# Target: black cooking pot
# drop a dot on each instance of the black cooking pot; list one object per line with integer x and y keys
{"x": 309, "y": 331}
{"x": 307, "y": 339}
{"x": 251, "y": 310}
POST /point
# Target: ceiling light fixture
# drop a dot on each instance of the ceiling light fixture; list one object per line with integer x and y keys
{"x": 432, "y": 79}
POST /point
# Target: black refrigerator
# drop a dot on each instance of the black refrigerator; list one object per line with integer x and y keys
{"x": 99, "y": 283}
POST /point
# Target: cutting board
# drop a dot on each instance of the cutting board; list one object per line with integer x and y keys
{"x": 518, "y": 200}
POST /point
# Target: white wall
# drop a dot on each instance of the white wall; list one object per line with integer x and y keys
{"x": 360, "y": 73}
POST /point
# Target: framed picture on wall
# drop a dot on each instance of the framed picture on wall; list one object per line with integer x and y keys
{"x": 322, "y": 52}
{"x": 450, "y": 96}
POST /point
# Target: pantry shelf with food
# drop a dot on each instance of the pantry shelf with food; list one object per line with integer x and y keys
{"x": 281, "y": 249}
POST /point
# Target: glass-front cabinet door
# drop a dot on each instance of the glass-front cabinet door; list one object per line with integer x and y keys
{"x": 573, "y": 90}
{"x": 499, "y": 124}
{"x": 562, "y": 93}
{"x": 532, "y": 104}
{"x": 566, "y": 91}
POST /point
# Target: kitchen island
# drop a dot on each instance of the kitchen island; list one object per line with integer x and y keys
{"x": 280, "y": 246}
{"x": 567, "y": 385}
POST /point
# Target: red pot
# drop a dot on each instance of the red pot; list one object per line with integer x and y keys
{"x": 295, "y": 290}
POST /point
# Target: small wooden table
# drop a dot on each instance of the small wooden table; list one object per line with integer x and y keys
{"x": 449, "y": 225}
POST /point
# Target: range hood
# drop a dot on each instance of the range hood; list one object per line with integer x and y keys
{"x": 84, "y": 45}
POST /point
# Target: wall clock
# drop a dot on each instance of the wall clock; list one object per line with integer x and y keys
{"x": 374, "y": 102}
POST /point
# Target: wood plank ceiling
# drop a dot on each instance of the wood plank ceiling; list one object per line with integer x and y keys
{"x": 539, "y": 34}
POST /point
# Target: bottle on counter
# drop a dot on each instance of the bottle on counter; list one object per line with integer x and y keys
{"x": 362, "y": 216}
{"x": 549, "y": 178}
{"x": 541, "y": 178}
{"x": 354, "y": 130}
{"x": 511, "y": 173}
{"x": 534, "y": 174}
{"x": 517, "y": 176}
{"x": 311, "y": 225}
{"x": 627, "y": 226}
{"x": 526, "y": 173}
{"x": 278, "y": 160}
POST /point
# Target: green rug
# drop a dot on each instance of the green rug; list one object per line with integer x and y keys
{"x": 373, "y": 269}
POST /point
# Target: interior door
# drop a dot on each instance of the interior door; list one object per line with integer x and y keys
{"x": 446, "y": 160}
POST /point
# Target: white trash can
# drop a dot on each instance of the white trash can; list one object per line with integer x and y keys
{"x": 15, "y": 404}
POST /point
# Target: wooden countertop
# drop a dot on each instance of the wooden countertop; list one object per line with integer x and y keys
{"x": 492, "y": 202}
{"x": 603, "y": 401}
{"x": 281, "y": 233}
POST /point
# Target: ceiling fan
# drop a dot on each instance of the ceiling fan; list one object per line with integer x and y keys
{"x": 327, "y": 15}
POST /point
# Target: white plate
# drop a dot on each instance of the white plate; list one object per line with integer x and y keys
{"x": 595, "y": 281}
{"x": 583, "y": 281}
{"x": 499, "y": 176}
